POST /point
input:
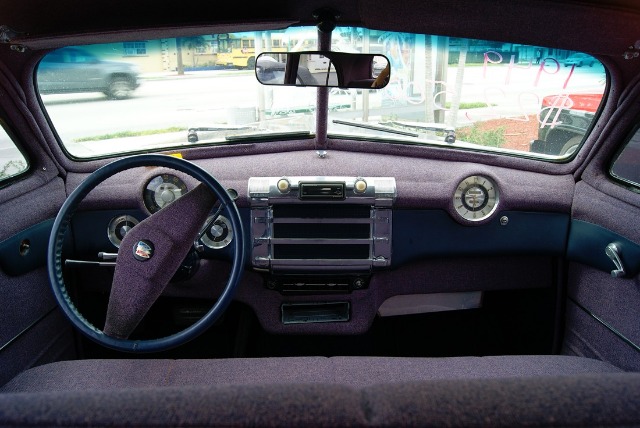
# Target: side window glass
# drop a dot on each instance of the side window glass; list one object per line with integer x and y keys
{"x": 12, "y": 161}
{"x": 626, "y": 167}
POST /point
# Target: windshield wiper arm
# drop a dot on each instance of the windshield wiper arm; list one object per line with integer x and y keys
{"x": 449, "y": 137}
{"x": 450, "y": 132}
{"x": 270, "y": 135}
{"x": 249, "y": 133}
{"x": 375, "y": 127}
{"x": 192, "y": 133}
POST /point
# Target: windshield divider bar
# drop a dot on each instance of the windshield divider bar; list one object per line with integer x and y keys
{"x": 322, "y": 112}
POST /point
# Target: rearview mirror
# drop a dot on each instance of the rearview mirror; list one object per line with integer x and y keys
{"x": 323, "y": 69}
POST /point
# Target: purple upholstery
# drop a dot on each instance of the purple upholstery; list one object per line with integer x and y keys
{"x": 33, "y": 331}
{"x": 50, "y": 339}
{"x": 614, "y": 300}
{"x": 607, "y": 211}
{"x": 137, "y": 284}
{"x": 597, "y": 400}
{"x": 422, "y": 183}
{"x": 31, "y": 207}
{"x": 352, "y": 371}
{"x": 587, "y": 337}
{"x": 495, "y": 391}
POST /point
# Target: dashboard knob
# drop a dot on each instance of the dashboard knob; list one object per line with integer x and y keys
{"x": 358, "y": 283}
{"x": 283, "y": 185}
{"x": 360, "y": 186}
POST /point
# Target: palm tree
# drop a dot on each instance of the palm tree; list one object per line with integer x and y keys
{"x": 192, "y": 44}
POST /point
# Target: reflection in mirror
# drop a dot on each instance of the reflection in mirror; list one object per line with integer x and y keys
{"x": 323, "y": 69}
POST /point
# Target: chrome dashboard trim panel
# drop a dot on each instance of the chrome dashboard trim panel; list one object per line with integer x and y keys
{"x": 309, "y": 220}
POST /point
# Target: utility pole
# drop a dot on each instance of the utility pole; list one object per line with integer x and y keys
{"x": 257, "y": 52}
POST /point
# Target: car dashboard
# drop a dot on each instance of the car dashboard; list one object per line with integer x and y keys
{"x": 332, "y": 246}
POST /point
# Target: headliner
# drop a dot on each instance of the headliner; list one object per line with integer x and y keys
{"x": 554, "y": 23}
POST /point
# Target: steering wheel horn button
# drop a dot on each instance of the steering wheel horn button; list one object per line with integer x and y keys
{"x": 143, "y": 250}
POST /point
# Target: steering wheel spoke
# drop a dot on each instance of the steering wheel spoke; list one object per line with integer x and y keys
{"x": 150, "y": 255}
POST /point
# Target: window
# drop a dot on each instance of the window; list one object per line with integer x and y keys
{"x": 135, "y": 48}
{"x": 12, "y": 161}
{"x": 492, "y": 96}
{"x": 454, "y": 93}
{"x": 626, "y": 166}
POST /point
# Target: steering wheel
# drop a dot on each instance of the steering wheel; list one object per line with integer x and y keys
{"x": 148, "y": 257}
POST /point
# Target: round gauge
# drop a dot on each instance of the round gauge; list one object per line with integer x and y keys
{"x": 219, "y": 234}
{"x": 120, "y": 226}
{"x": 476, "y": 198}
{"x": 161, "y": 190}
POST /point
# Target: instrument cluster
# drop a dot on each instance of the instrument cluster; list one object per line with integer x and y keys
{"x": 162, "y": 190}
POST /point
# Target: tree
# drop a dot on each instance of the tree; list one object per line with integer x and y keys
{"x": 192, "y": 44}
{"x": 180, "y": 66}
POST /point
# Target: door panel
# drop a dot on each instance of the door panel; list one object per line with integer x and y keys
{"x": 602, "y": 317}
{"x": 32, "y": 329}
{"x": 589, "y": 244}
{"x": 603, "y": 312}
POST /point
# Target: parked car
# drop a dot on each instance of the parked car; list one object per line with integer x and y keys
{"x": 269, "y": 70}
{"x": 579, "y": 59}
{"x": 564, "y": 122}
{"x": 72, "y": 69}
{"x": 379, "y": 258}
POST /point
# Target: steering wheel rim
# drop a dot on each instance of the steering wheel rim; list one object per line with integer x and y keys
{"x": 63, "y": 220}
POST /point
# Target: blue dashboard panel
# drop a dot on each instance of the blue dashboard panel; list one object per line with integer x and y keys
{"x": 419, "y": 234}
{"x": 90, "y": 231}
{"x": 27, "y": 250}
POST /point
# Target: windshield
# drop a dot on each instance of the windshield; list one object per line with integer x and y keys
{"x": 160, "y": 94}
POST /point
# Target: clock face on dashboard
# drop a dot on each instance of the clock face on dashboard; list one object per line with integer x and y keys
{"x": 476, "y": 198}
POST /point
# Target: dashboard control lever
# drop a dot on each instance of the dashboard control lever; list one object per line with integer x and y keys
{"x": 107, "y": 256}
{"x": 613, "y": 252}
{"x": 72, "y": 262}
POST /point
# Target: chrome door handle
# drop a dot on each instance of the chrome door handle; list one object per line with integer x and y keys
{"x": 613, "y": 252}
